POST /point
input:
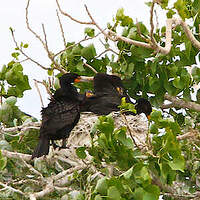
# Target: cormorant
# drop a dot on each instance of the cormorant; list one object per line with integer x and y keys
{"x": 108, "y": 92}
{"x": 61, "y": 114}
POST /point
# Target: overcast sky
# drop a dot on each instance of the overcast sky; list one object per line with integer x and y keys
{"x": 12, "y": 14}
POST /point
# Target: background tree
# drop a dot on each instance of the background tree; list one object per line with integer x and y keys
{"x": 159, "y": 64}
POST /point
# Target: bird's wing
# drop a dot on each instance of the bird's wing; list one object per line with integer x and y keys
{"x": 59, "y": 115}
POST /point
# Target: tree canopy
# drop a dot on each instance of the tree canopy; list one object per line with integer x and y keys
{"x": 157, "y": 63}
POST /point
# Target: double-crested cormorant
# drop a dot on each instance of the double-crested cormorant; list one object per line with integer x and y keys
{"x": 108, "y": 92}
{"x": 61, "y": 114}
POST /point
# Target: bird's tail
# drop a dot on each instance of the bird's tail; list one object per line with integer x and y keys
{"x": 42, "y": 148}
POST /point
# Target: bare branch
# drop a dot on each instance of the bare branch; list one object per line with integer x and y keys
{"x": 90, "y": 67}
{"x": 188, "y": 135}
{"x": 32, "y": 169}
{"x": 151, "y": 23}
{"x": 109, "y": 49}
{"x": 127, "y": 40}
{"x": 61, "y": 29}
{"x": 71, "y": 46}
{"x": 188, "y": 33}
{"x": 11, "y": 188}
{"x": 182, "y": 103}
{"x": 69, "y": 16}
{"x": 38, "y": 90}
{"x": 23, "y": 53}
{"x": 49, "y": 188}
{"x": 44, "y": 43}
{"x": 68, "y": 171}
{"x": 21, "y": 127}
{"x": 16, "y": 155}
{"x": 50, "y": 55}
{"x": 29, "y": 28}
{"x": 46, "y": 87}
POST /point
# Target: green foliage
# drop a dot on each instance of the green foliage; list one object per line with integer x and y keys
{"x": 12, "y": 74}
{"x": 89, "y": 32}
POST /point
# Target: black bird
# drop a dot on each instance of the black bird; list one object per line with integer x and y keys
{"x": 143, "y": 106}
{"x": 108, "y": 92}
{"x": 61, "y": 114}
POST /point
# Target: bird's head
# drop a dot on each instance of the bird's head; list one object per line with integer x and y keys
{"x": 72, "y": 78}
{"x": 143, "y": 106}
{"x": 117, "y": 83}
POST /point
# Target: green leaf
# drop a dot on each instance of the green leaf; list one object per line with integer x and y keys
{"x": 170, "y": 13}
{"x": 113, "y": 193}
{"x": 180, "y": 6}
{"x": 11, "y": 100}
{"x": 139, "y": 193}
{"x": 196, "y": 74}
{"x": 156, "y": 115}
{"x": 178, "y": 83}
{"x": 6, "y": 113}
{"x": 102, "y": 186}
{"x": 153, "y": 129}
{"x": 177, "y": 164}
{"x": 25, "y": 46}
{"x": 88, "y": 52}
{"x": 15, "y": 55}
{"x": 3, "y": 162}
{"x": 152, "y": 192}
{"x": 120, "y": 14}
{"x": 128, "y": 173}
{"x": 80, "y": 152}
{"x": 80, "y": 67}
{"x": 89, "y": 31}
{"x": 3, "y": 72}
{"x": 121, "y": 136}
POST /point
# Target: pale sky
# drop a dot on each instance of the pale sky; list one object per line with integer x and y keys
{"x": 12, "y": 14}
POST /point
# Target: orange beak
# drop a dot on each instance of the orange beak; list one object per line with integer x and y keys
{"x": 78, "y": 79}
{"x": 83, "y": 79}
{"x": 148, "y": 117}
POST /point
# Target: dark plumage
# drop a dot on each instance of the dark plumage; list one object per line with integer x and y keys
{"x": 143, "y": 106}
{"x": 61, "y": 114}
{"x": 108, "y": 92}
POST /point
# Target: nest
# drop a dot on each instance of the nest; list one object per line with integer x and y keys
{"x": 137, "y": 126}
{"x": 80, "y": 135}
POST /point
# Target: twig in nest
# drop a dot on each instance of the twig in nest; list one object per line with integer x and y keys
{"x": 129, "y": 130}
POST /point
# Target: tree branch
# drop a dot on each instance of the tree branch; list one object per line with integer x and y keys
{"x": 23, "y": 53}
{"x": 188, "y": 32}
{"x": 182, "y": 103}
{"x": 61, "y": 29}
{"x": 16, "y": 155}
{"x": 69, "y": 16}
{"x": 44, "y": 43}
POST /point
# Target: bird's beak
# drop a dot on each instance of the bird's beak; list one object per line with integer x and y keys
{"x": 83, "y": 79}
{"x": 148, "y": 117}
